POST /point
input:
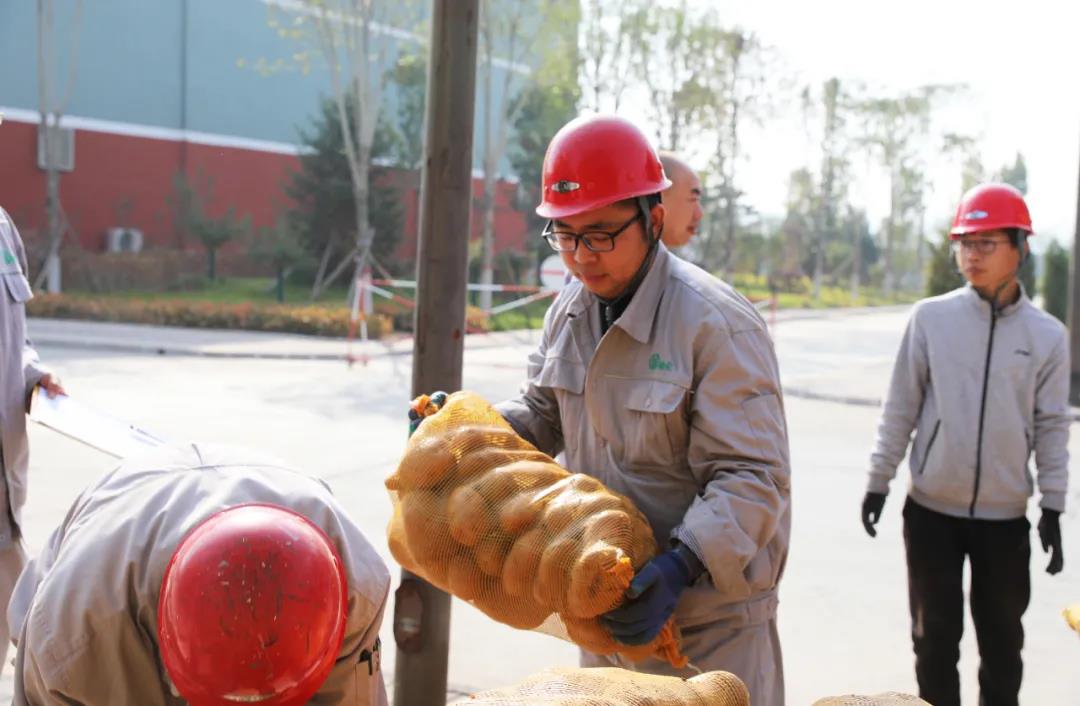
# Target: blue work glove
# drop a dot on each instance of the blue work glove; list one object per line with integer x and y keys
{"x": 424, "y": 406}
{"x": 650, "y": 600}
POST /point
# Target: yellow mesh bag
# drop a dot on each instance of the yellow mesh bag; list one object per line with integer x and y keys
{"x": 609, "y": 686}
{"x": 482, "y": 514}
{"x": 889, "y": 699}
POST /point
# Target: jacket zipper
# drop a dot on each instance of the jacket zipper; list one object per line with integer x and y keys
{"x": 926, "y": 454}
{"x": 982, "y": 412}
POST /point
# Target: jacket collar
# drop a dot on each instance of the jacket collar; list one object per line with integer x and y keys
{"x": 983, "y": 306}
{"x": 637, "y": 320}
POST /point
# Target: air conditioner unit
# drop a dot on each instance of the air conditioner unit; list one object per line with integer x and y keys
{"x": 123, "y": 240}
{"x": 62, "y": 148}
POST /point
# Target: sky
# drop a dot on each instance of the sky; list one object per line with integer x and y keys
{"x": 1020, "y": 60}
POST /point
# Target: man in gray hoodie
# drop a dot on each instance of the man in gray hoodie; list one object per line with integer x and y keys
{"x": 982, "y": 377}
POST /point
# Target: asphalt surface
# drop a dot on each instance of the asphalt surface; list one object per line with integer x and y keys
{"x": 843, "y": 616}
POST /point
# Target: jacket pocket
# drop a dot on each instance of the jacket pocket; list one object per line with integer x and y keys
{"x": 17, "y": 286}
{"x": 929, "y": 446}
{"x": 654, "y": 430}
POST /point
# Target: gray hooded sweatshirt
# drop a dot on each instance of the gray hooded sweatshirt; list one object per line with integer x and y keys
{"x": 982, "y": 390}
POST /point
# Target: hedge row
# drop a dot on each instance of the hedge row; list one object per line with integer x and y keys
{"x": 312, "y": 320}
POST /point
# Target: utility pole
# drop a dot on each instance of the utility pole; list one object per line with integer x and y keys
{"x": 421, "y": 611}
{"x": 1074, "y": 307}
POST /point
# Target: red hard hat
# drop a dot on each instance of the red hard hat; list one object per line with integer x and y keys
{"x": 990, "y": 207}
{"x": 252, "y": 609}
{"x": 595, "y": 161}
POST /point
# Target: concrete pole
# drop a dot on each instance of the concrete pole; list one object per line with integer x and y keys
{"x": 1074, "y": 307}
{"x": 422, "y": 612}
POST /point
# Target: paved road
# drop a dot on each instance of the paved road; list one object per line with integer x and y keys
{"x": 843, "y": 615}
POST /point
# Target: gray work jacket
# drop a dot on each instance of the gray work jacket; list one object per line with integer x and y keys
{"x": 678, "y": 406}
{"x": 20, "y": 371}
{"x": 86, "y": 607}
{"x": 983, "y": 392}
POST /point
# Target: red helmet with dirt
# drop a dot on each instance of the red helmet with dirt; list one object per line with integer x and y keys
{"x": 991, "y": 207}
{"x": 595, "y": 161}
{"x": 252, "y": 609}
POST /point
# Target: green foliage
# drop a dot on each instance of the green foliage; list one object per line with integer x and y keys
{"x": 325, "y": 215}
{"x": 313, "y": 320}
{"x": 409, "y": 75}
{"x": 544, "y": 109}
{"x": 189, "y": 204}
{"x": 279, "y": 247}
{"x": 943, "y": 275}
{"x": 1026, "y": 275}
{"x": 1014, "y": 174}
{"x": 1056, "y": 281}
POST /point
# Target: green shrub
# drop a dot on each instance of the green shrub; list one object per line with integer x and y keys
{"x": 312, "y": 320}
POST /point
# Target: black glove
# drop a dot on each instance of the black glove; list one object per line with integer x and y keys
{"x": 872, "y": 505}
{"x": 1050, "y": 536}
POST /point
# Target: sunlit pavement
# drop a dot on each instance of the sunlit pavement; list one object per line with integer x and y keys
{"x": 843, "y": 615}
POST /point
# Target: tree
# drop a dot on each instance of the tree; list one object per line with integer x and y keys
{"x": 1016, "y": 175}
{"x": 410, "y": 79}
{"x": 356, "y": 41}
{"x": 798, "y": 225}
{"x": 325, "y": 216}
{"x": 190, "y": 208}
{"x": 735, "y": 93}
{"x": 968, "y": 150}
{"x": 280, "y": 247}
{"x": 608, "y": 28}
{"x": 835, "y": 103}
{"x": 944, "y": 275}
{"x": 1056, "y": 281}
{"x": 509, "y": 34}
{"x": 51, "y": 108}
{"x": 897, "y": 129}
{"x": 547, "y": 104}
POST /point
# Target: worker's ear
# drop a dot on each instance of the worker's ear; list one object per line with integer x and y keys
{"x": 656, "y": 215}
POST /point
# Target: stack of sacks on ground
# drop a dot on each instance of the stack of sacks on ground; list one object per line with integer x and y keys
{"x": 616, "y": 687}
{"x": 482, "y": 514}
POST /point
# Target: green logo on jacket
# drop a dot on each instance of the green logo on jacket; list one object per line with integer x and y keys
{"x": 9, "y": 258}
{"x": 658, "y": 363}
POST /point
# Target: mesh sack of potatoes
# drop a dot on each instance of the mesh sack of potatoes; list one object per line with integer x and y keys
{"x": 609, "y": 686}
{"x": 482, "y": 514}
{"x": 889, "y": 699}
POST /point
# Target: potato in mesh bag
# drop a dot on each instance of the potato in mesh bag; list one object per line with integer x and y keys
{"x": 482, "y": 514}
{"x": 610, "y": 686}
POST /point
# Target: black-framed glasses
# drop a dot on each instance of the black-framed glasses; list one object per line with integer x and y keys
{"x": 983, "y": 246}
{"x": 595, "y": 240}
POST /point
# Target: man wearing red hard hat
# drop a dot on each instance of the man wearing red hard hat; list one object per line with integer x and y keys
{"x": 661, "y": 381}
{"x": 206, "y": 576}
{"x": 982, "y": 378}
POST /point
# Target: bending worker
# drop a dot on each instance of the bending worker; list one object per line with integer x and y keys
{"x": 661, "y": 381}
{"x": 205, "y": 576}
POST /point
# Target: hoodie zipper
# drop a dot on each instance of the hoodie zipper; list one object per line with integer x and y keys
{"x": 982, "y": 412}
{"x": 930, "y": 445}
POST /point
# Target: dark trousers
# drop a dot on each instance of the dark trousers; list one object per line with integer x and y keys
{"x": 999, "y": 552}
